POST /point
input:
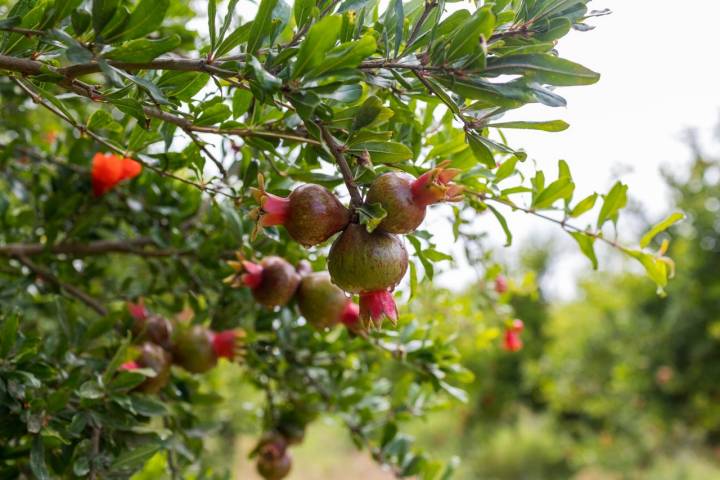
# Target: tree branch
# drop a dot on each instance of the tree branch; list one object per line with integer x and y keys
{"x": 69, "y": 289}
{"x": 355, "y": 196}
{"x": 134, "y": 247}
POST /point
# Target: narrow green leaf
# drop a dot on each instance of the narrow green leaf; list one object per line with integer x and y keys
{"x": 615, "y": 201}
{"x": 261, "y": 25}
{"x": 480, "y": 150}
{"x": 371, "y": 215}
{"x": 102, "y": 120}
{"x": 146, "y": 18}
{"x": 562, "y": 188}
{"x": 241, "y": 102}
{"x": 549, "y": 126}
{"x": 466, "y": 39}
{"x": 584, "y": 205}
{"x": 136, "y": 457}
{"x": 9, "y": 333}
{"x": 319, "y": 40}
{"x": 503, "y": 224}
{"x": 587, "y": 246}
{"x": 102, "y": 12}
{"x": 37, "y": 459}
{"x": 383, "y": 152}
{"x": 212, "y": 13}
{"x": 660, "y": 227}
{"x": 143, "y": 49}
{"x": 543, "y": 68}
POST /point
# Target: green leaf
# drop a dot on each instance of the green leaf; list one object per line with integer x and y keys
{"x": 182, "y": 85}
{"x": 320, "y": 38}
{"x": 481, "y": 152}
{"x": 143, "y": 49}
{"x": 503, "y": 224}
{"x": 346, "y": 55}
{"x": 615, "y": 201}
{"x": 212, "y": 13}
{"x": 102, "y": 120}
{"x": 102, "y": 12}
{"x": 90, "y": 390}
{"x": 302, "y": 10}
{"x": 60, "y": 10}
{"x": 213, "y": 115}
{"x": 145, "y": 18}
{"x": 9, "y": 333}
{"x": 466, "y": 39}
{"x": 134, "y": 458}
{"x": 238, "y": 36}
{"x": 584, "y": 205}
{"x": 117, "y": 359}
{"x": 657, "y": 268}
{"x": 371, "y": 215}
{"x": 543, "y": 68}
{"x": 506, "y": 169}
{"x": 241, "y": 102}
{"x": 368, "y": 112}
{"x": 37, "y": 459}
{"x": 383, "y": 152}
{"x": 562, "y": 188}
{"x": 261, "y": 25}
{"x": 587, "y": 246}
{"x": 671, "y": 220}
{"x": 549, "y": 126}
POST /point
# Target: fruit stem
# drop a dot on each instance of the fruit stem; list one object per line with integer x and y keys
{"x": 356, "y": 199}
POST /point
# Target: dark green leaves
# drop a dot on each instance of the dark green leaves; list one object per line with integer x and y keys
{"x": 146, "y": 18}
{"x": 143, "y": 49}
{"x": 543, "y": 68}
{"x": 466, "y": 40}
{"x": 261, "y": 26}
{"x": 549, "y": 126}
{"x": 9, "y": 333}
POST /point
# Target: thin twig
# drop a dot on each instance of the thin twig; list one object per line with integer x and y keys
{"x": 69, "y": 289}
{"x": 355, "y": 196}
{"x": 101, "y": 247}
{"x": 95, "y": 446}
{"x": 429, "y": 6}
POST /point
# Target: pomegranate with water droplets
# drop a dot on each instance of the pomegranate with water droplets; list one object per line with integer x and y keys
{"x": 311, "y": 213}
{"x": 371, "y": 265}
{"x": 322, "y": 303}
{"x": 273, "y": 280}
{"x": 405, "y": 198}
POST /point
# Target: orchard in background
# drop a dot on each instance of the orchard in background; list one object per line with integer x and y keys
{"x": 177, "y": 194}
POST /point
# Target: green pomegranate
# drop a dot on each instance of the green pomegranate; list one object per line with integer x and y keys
{"x": 406, "y": 198}
{"x": 311, "y": 213}
{"x": 371, "y": 265}
{"x": 155, "y": 358}
{"x": 321, "y": 302}
{"x": 193, "y": 349}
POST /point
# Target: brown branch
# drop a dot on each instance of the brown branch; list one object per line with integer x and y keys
{"x": 95, "y": 450}
{"x": 69, "y": 289}
{"x": 355, "y": 196}
{"x": 134, "y": 247}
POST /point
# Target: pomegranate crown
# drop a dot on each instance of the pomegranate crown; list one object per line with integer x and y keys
{"x": 273, "y": 210}
{"x": 138, "y": 310}
{"x": 435, "y": 186}
{"x": 376, "y": 307}
{"x": 247, "y": 274}
{"x": 229, "y": 344}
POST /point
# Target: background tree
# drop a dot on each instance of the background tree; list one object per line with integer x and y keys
{"x": 130, "y": 146}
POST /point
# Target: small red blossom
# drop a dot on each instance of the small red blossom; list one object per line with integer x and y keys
{"x": 108, "y": 170}
{"x": 226, "y": 343}
{"x": 511, "y": 338}
{"x": 130, "y": 366}
{"x": 501, "y": 284}
{"x": 138, "y": 310}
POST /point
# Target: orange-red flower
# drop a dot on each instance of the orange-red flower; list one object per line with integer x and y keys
{"x": 108, "y": 170}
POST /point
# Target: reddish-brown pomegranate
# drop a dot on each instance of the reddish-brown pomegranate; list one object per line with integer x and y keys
{"x": 501, "y": 284}
{"x": 273, "y": 459}
{"x": 155, "y": 358}
{"x": 405, "y": 198}
{"x": 371, "y": 265}
{"x": 322, "y": 303}
{"x": 311, "y": 213}
{"x": 146, "y": 326}
{"x": 273, "y": 280}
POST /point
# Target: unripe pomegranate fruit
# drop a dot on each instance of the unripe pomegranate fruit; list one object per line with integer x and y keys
{"x": 501, "y": 284}
{"x": 273, "y": 281}
{"x": 405, "y": 198}
{"x": 155, "y": 358}
{"x": 273, "y": 459}
{"x": 311, "y": 213}
{"x": 154, "y": 328}
{"x": 371, "y": 265}
{"x": 193, "y": 349}
{"x": 198, "y": 349}
{"x": 322, "y": 303}
{"x": 511, "y": 337}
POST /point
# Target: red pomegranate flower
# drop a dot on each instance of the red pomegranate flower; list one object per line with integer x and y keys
{"x": 511, "y": 338}
{"x": 108, "y": 170}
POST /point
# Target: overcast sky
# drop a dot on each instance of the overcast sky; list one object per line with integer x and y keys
{"x": 660, "y": 76}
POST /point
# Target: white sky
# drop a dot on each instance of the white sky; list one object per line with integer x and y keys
{"x": 660, "y": 76}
